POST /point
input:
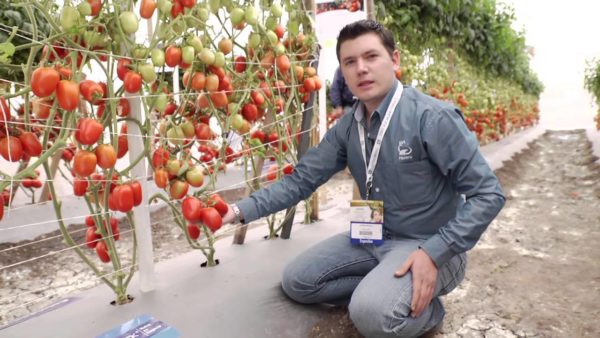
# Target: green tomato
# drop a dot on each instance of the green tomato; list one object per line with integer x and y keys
{"x": 129, "y": 22}
{"x": 160, "y": 103}
{"x": 203, "y": 14}
{"x": 236, "y": 121}
{"x": 84, "y": 8}
{"x": 271, "y": 23}
{"x": 279, "y": 49}
{"x": 164, "y": 6}
{"x": 253, "y": 40}
{"x": 236, "y": 16}
{"x": 214, "y": 6}
{"x": 219, "y": 59}
{"x": 276, "y": 10}
{"x": 69, "y": 17}
{"x": 293, "y": 27}
{"x": 273, "y": 39}
{"x": 195, "y": 42}
{"x": 140, "y": 52}
{"x": 158, "y": 57}
{"x": 251, "y": 15}
{"x": 207, "y": 56}
{"x": 147, "y": 72}
{"x": 188, "y": 129}
{"x": 187, "y": 54}
{"x": 175, "y": 136}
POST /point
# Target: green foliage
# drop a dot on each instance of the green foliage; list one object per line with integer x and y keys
{"x": 14, "y": 14}
{"x": 592, "y": 79}
{"x": 477, "y": 30}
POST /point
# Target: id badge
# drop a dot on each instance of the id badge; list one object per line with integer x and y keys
{"x": 366, "y": 222}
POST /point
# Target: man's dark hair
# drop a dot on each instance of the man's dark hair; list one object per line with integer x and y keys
{"x": 358, "y": 28}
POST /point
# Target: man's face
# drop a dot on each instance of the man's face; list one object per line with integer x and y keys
{"x": 368, "y": 68}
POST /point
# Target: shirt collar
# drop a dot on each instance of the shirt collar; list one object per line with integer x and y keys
{"x": 359, "y": 113}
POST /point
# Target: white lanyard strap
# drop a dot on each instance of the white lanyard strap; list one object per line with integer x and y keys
{"x": 370, "y": 168}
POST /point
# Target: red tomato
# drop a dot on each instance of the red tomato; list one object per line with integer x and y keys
{"x": 172, "y": 55}
{"x": 178, "y": 189}
{"x": 89, "y": 221}
{"x": 198, "y": 81}
{"x": 176, "y": 9}
{"x": 31, "y": 144}
{"x": 192, "y": 229}
{"x": 212, "y": 219}
{"x": 1, "y": 206}
{"x": 288, "y": 169}
{"x": 102, "y": 252}
{"x": 132, "y": 82}
{"x": 80, "y": 186}
{"x": 91, "y": 237}
{"x": 219, "y": 204}
{"x": 259, "y": 135}
{"x": 84, "y": 163}
{"x": 91, "y": 91}
{"x": 250, "y": 112}
{"x": 191, "y": 207}
{"x": 44, "y": 81}
{"x": 124, "y": 107}
{"x": 4, "y": 111}
{"x": 123, "y": 67}
{"x": 240, "y": 64}
{"x": 219, "y": 99}
{"x": 123, "y": 197}
{"x": 96, "y": 6}
{"x": 106, "y": 156}
{"x": 160, "y": 157}
{"x": 67, "y": 93}
{"x": 272, "y": 173}
{"x": 123, "y": 146}
{"x": 147, "y": 8}
{"x": 88, "y": 131}
{"x": 11, "y": 148}
{"x": 161, "y": 178}
{"x": 283, "y": 63}
{"x": 137, "y": 192}
{"x": 203, "y": 131}
{"x": 188, "y": 3}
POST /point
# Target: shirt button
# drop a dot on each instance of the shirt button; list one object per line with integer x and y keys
{"x": 376, "y": 189}
{"x": 368, "y": 134}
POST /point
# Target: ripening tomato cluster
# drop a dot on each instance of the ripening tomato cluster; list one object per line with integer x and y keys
{"x": 208, "y": 212}
{"x": 274, "y": 170}
{"x": 94, "y": 239}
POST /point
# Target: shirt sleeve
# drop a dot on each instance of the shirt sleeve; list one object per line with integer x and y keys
{"x": 455, "y": 151}
{"x": 314, "y": 168}
{"x": 335, "y": 92}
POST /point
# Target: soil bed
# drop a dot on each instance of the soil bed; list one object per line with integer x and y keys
{"x": 536, "y": 271}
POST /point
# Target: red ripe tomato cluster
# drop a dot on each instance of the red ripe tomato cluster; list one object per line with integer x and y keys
{"x": 95, "y": 240}
{"x": 208, "y": 212}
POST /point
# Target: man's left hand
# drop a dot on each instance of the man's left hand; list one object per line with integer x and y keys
{"x": 424, "y": 277}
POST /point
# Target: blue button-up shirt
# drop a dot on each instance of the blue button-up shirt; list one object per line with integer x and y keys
{"x": 428, "y": 161}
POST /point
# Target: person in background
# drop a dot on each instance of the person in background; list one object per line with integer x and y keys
{"x": 415, "y": 154}
{"x": 341, "y": 97}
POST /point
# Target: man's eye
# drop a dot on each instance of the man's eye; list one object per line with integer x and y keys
{"x": 349, "y": 62}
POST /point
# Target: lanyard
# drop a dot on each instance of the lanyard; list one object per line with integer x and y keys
{"x": 382, "y": 129}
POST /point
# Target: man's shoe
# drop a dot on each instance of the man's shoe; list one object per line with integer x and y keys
{"x": 434, "y": 330}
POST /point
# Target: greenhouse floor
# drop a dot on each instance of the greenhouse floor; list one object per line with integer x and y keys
{"x": 241, "y": 297}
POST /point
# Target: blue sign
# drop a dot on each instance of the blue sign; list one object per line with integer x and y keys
{"x": 143, "y": 326}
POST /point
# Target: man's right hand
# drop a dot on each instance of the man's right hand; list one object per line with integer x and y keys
{"x": 229, "y": 216}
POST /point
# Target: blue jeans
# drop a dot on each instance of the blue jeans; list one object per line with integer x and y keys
{"x": 337, "y": 272}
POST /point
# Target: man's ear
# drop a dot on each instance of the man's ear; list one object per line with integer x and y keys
{"x": 396, "y": 58}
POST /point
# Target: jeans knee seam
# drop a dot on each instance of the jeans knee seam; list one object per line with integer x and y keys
{"x": 318, "y": 281}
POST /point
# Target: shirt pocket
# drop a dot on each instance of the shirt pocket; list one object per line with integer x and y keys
{"x": 416, "y": 183}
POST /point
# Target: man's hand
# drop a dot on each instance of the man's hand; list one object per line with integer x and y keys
{"x": 339, "y": 111}
{"x": 229, "y": 216}
{"x": 424, "y": 277}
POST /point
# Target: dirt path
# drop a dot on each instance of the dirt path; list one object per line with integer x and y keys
{"x": 536, "y": 271}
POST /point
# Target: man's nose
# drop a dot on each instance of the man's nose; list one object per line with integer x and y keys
{"x": 361, "y": 66}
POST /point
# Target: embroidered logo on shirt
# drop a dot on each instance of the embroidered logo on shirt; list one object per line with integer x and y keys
{"x": 404, "y": 151}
